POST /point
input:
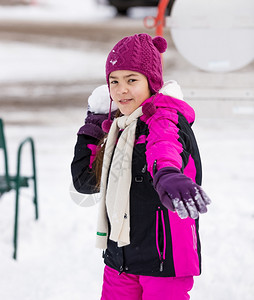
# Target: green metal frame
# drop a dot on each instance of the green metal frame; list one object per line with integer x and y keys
{"x": 8, "y": 182}
{"x": 6, "y": 168}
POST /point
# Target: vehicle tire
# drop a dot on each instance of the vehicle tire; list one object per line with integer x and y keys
{"x": 121, "y": 11}
{"x": 169, "y": 7}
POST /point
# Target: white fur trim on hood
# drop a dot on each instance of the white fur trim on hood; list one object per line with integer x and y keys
{"x": 172, "y": 88}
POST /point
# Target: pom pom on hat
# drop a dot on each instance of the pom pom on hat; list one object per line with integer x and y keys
{"x": 148, "y": 109}
{"x": 160, "y": 43}
{"x": 106, "y": 124}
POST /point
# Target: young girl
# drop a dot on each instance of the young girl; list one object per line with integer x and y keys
{"x": 148, "y": 171}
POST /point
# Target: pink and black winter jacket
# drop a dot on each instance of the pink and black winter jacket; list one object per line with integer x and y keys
{"x": 162, "y": 244}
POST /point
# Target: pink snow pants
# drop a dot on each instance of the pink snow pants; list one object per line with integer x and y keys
{"x": 137, "y": 287}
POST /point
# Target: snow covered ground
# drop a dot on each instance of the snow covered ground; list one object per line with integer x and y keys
{"x": 56, "y": 254}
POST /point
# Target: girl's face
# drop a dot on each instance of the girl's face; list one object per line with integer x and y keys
{"x": 128, "y": 89}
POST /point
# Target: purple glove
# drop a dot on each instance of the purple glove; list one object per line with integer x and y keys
{"x": 179, "y": 193}
{"x": 92, "y": 125}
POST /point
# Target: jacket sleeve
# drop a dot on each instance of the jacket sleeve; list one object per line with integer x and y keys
{"x": 83, "y": 177}
{"x": 163, "y": 145}
{"x": 192, "y": 166}
{"x": 171, "y": 143}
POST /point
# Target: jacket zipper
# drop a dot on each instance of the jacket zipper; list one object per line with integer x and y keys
{"x": 121, "y": 268}
{"x": 161, "y": 250}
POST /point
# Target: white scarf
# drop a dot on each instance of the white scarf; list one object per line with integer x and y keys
{"x": 116, "y": 182}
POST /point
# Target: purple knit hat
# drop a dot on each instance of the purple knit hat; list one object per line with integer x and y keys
{"x": 139, "y": 53}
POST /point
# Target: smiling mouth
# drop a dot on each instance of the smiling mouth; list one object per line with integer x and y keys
{"x": 125, "y": 100}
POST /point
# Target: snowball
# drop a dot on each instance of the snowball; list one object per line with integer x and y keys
{"x": 99, "y": 101}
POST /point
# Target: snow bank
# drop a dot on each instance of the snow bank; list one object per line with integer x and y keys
{"x": 22, "y": 61}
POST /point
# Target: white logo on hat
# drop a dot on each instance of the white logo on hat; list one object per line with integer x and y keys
{"x": 113, "y": 62}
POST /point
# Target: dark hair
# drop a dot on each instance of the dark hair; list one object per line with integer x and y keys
{"x": 97, "y": 166}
